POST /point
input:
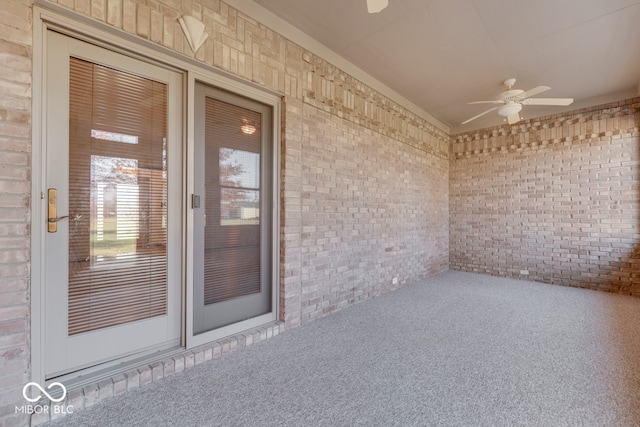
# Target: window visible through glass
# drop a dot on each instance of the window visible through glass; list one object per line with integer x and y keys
{"x": 239, "y": 187}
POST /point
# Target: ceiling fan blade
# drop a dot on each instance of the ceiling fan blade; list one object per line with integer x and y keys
{"x": 514, "y": 118}
{"x": 487, "y": 102}
{"x": 479, "y": 115}
{"x": 534, "y": 91}
{"x": 375, "y": 6}
{"x": 548, "y": 101}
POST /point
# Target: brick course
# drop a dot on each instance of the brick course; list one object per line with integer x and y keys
{"x": 556, "y": 196}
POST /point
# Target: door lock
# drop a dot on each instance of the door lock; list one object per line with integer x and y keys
{"x": 52, "y": 211}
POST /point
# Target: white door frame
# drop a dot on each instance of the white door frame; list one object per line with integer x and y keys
{"x": 49, "y": 16}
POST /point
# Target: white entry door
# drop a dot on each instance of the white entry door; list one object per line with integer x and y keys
{"x": 112, "y": 255}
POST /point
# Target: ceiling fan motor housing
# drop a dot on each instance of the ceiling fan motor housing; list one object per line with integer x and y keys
{"x": 512, "y": 95}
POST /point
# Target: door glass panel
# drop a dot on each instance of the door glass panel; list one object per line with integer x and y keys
{"x": 232, "y": 184}
{"x": 117, "y": 197}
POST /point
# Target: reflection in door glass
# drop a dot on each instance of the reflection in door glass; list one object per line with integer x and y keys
{"x": 117, "y": 197}
{"x": 114, "y": 224}
{"x": 239, "y": 187}
{"x": 239, "y": 206}
{"x": 239, "y": 168}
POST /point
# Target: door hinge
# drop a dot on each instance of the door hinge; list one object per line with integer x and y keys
{"x": 195, "y": 201}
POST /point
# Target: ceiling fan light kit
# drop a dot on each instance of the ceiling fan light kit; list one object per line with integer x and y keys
{"x": 510, "y": 102}
{"x": 510, "y": 109}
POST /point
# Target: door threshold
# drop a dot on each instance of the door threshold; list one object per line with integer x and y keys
{"x": 94, "y": 374}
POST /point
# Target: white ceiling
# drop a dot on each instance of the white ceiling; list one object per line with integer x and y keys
{"x": 442, "y": 54}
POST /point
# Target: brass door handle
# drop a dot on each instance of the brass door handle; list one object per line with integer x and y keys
{"x": 52, "y": 212}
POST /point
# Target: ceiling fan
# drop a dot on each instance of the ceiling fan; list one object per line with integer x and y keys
{"x": 375, "y": 6}
{"x": 510, "y": 102}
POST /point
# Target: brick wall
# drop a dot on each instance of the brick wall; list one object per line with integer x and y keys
{"x": 365, "y": 192}
{"x": 372, "y": 210}
{"x": 15, "y": 190}
{"x": 557, "y": 196}
{"x": 363, "y": 180}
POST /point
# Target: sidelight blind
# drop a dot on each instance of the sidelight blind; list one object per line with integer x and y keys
{"x": 232, "y": 178}
{"x": 117, "y": 197}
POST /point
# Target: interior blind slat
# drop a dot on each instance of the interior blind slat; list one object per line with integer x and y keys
{"x": 117, "y": 198}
